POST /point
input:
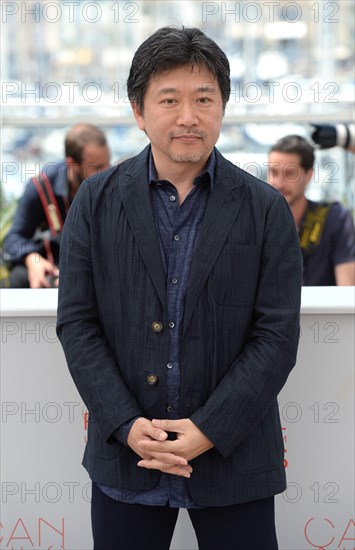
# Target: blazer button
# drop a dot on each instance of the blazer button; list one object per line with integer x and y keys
{"x": 152, "y": 379}
{"x": 157, "y": 326}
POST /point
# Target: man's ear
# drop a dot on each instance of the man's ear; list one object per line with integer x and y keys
{"x": 72, "y": 168}
{"x": 138, "y": 115}
{"x": 69, "y": 161}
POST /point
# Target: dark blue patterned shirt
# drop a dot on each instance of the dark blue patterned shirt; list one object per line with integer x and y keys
{"x": 177, "y": 227}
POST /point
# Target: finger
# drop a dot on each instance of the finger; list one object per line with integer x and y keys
{"x": 167, "y": 425}
{"x": 155, "y": 433}
{"x": 169, "y": 458}
{"x": 146, "y": 428}
{"x": 165, "y": 449}
{"x": 51, "y": 269}
{"x": 184, "y": 471}
{"x": 159, "y": 435}
{"x": 162, "y": 466}
{"x": 44, "y": 283}
{"x": 155, "y": 446}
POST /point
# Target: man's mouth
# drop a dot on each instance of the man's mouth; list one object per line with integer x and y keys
{"x": 188, "y": 137}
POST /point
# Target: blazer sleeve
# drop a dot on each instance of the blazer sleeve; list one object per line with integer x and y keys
{"x": 89, "y": 357}
{"x": 29, "y": 215}
{"x": 257, "y": 375}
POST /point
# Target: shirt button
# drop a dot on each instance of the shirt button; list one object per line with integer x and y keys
{"x": 170, "y": 365}
{"x": 152, "y": 379}
{"x": 172, "y": 198}
{"x": 169, "y": 409}
{"x": 176, "y": 238}
{"x": 174, "y": 280}
{"x": 157, "y": 326}
{"x": 171, "y": 324}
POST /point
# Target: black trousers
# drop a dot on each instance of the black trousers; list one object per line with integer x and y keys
{"x": 119, "y": 526}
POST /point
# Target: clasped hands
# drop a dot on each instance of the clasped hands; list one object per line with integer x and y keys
{"x": 148, "y": 439}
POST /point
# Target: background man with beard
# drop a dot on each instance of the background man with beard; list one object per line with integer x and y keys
{"x": 34, "y": 263}
{"x": 326, "y": 229}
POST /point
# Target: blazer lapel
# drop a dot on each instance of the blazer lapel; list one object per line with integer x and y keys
{"x": 137, "y": 204}
{"x": 223, "y": 207}
{"x": 222, "y": 210}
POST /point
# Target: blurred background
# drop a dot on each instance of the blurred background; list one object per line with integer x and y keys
{"x": 68, "y": 61}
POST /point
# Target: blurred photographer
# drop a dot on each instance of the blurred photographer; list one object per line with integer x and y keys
{"x": 32, "y": 244}
{"x": 338, "y": 135}
{"x": 326, "y": 229}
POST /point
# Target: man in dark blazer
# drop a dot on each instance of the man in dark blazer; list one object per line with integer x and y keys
{"x": 179, "y": 317}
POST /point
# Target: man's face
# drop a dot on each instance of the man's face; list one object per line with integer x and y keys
{"x": 95, "y": 159}
{"x": 182, "y": 115}
{"x": 287, "y": 175}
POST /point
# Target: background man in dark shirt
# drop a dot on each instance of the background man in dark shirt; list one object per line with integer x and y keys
{"x": 327, "y": 234}
{"x": 86, "y": 152}
{"x": 185, "y": 324}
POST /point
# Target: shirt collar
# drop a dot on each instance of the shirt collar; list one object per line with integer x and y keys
{"x": 206, "y": 176}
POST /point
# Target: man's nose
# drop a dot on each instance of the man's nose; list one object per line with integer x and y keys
{"x": 187, "y": 115}
{"x": 276, "y": 181}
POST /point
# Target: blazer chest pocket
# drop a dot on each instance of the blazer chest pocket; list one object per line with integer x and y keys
{"x": 235, "y": 275}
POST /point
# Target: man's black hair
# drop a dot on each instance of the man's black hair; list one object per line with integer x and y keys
{"x": 169, "y": 48}
{"x": 294, "y": 144}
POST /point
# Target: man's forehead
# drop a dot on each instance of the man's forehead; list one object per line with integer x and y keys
{"x": 203, "y": 87}
{"x": 94, "y": 150}
{"x": 206, "y": 77}
{"x": 282, "y": 157}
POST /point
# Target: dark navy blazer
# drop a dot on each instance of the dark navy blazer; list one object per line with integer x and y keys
{"x": 239, "y": 337}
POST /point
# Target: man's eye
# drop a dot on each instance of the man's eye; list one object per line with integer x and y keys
{"x": 168, "y": 100}
{"x": 204, "y": 99}
{"x": 291, "y": 175}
